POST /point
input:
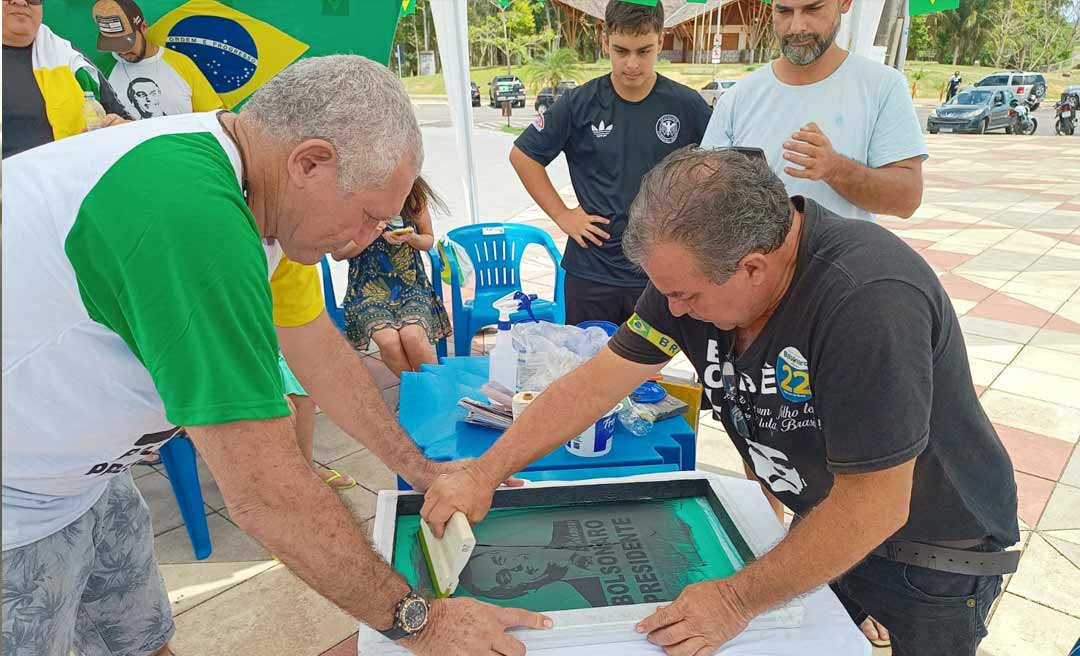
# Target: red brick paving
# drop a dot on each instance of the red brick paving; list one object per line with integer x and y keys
{"x": 1034, "y": 454}
{"x": 1033, "y": 494}
{"x": 964, "y": 289}
{"x": 1003, "y": 307}
{"x": 946, "y": 260}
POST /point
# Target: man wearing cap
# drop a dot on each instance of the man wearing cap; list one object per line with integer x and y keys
{"x": 45, "y": 79}
{"x": 150, "y": 80}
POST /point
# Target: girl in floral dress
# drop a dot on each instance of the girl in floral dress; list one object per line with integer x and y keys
{"x": 390, "y": 299}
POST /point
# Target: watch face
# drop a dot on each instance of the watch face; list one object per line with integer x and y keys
{"x": 414, "y": 614}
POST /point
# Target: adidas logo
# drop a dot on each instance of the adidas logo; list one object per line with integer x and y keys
{"x": 601, "y": 131}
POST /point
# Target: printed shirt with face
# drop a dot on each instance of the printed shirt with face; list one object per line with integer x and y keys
{"x": 166, "y": 84}
{"x": 139, "y": 296}
{"x": 861, "y": 368}
{"x": 610, "y": 143}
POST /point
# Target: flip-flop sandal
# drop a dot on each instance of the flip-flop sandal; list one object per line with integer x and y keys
{"x": 336, "y": 475}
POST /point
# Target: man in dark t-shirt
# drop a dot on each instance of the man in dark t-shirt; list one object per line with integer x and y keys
{"x": 612, "y": 129}
{"x": 835, "y": 361}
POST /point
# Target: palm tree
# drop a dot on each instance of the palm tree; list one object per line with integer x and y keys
{"x": 555, "y": 66}
{"x": 967, "y": 27}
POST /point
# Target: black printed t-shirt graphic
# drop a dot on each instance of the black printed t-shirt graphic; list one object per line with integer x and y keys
{"x": 610, "y": 143}
{"x": 861, "y": 368}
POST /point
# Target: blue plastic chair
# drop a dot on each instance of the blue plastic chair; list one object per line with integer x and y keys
{"x": 495, "y": 250}
{"x": 337, "y": 313}
{"x": 178, "y": 456}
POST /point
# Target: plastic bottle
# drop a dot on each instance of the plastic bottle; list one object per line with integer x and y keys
{"x": 632, "y": 420}
{"x": 92, "y": 111}
{"x": 502, "y": 362}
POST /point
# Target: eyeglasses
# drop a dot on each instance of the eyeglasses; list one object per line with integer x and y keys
{"x": 32, "y": 3}
{"x": 739, "y": 406}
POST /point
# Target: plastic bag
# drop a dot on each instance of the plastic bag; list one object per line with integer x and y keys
{"x": 451, "y": 251}
{"x": 548, "y": 351}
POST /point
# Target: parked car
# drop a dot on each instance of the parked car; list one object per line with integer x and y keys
{"x": 1021, "y": 83}
{"x": 712, "y": 91}
{"x": 546, "y": 98}
{"x": 475, "y": 90}
{"x": 506, "y": 87}
{"x": 975, "y": 110}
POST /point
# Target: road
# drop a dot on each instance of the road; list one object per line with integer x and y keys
{"x": 501, "y": 193}
{"x": 1045, "y": 117}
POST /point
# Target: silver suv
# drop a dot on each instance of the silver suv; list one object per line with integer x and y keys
{"x": 1021, "y": 83}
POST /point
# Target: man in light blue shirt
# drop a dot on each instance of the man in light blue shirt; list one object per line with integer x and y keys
{"x": 836, "y": 127}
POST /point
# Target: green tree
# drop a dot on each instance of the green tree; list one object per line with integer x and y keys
{"x": 549, "y": 70}
{"x": 919, "y": 41}
{"x": 964, "y": 30}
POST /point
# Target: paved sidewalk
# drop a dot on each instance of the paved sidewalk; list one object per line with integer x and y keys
{"x": 1000, "y": 222}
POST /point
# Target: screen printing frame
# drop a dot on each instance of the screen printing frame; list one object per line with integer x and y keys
{"x": 589, "y": 626}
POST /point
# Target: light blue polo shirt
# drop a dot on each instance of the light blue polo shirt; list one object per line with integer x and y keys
{"x": 864, "y": 108}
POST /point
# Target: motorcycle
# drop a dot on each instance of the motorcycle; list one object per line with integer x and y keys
{"x": 1066, "y": 114}
{"x": 1023, "y": 122}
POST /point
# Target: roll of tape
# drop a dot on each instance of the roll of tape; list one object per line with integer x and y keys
{"x": 522, "y": 401}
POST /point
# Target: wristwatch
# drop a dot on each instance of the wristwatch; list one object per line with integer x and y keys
{"x": 410, "y": 616}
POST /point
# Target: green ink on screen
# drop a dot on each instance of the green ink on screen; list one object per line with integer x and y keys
{"x": 562, "y": 558}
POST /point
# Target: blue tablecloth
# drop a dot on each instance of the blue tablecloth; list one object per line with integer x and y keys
{"x": 430, "y": 415}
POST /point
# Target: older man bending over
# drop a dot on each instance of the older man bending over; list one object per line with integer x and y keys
{"x": 145, "y": 270}
{"x": 835, "y": 361}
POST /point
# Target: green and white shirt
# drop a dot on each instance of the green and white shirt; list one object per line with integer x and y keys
{"x": 138, "y": 296}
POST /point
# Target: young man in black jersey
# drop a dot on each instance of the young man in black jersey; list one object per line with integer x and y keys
{"x": 613, "y": 130}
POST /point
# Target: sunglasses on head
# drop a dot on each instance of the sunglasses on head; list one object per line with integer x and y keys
{"x": 753, "y": 153}
{"x": 740, "y": 407}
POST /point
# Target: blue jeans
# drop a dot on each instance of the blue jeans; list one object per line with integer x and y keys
{"x": 927, "y": 612}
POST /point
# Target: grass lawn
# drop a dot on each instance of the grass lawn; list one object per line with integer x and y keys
{"x": 697, "y": 75}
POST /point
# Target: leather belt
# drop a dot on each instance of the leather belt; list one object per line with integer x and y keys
{"x": 954, "y": 557}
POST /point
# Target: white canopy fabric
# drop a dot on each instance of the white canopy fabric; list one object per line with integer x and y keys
{"x": 452, "y": 28}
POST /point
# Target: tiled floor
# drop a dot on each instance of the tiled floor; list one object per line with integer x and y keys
{"x": 1000, "y": 222}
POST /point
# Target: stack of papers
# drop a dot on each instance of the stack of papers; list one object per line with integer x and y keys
{"x": 491, "y": 415}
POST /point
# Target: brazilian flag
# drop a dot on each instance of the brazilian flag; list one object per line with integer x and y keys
{"x": 408, "y": 8}
{"x": 239, "y": 44}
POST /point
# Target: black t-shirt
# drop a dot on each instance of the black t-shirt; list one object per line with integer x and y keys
{"x": 26, "y": 124}
{"x": 861, "y": 368}
{"x": 610, "y": 143}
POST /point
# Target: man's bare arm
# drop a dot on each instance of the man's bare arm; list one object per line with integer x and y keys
{"x": 582, "y": 227}
{"x": 895, "y": 189}
{"x": 861, "y": 512}
{"x": 275, "y": 496}
{"x": 538, "y": 183}
{"x": 564, "y": 410}
{"x": 334, "y": 375}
